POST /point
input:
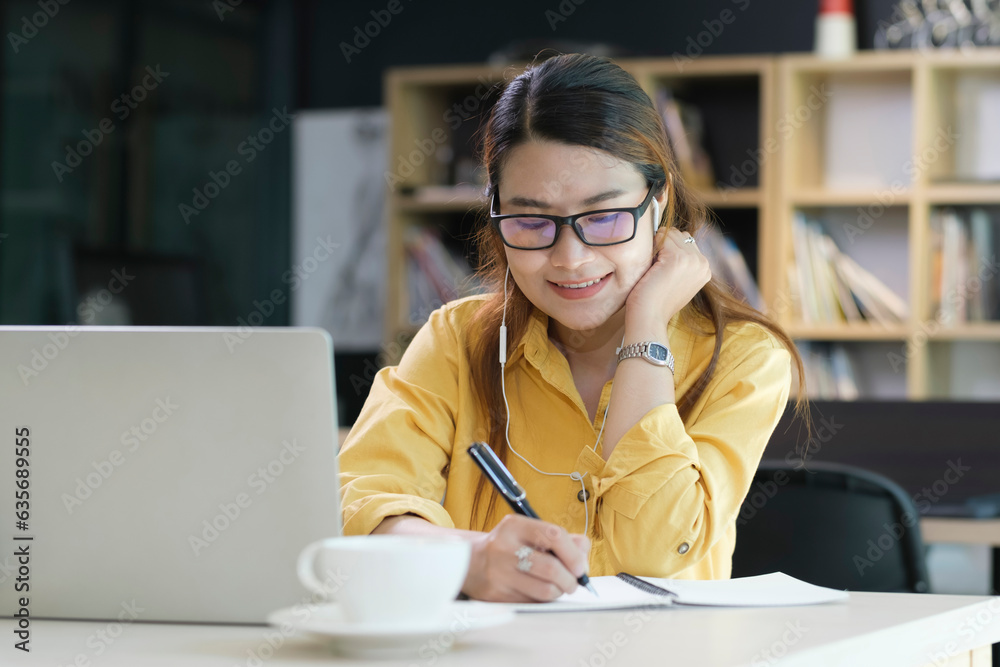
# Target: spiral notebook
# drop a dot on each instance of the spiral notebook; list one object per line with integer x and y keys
{"x": 626, "y": 591}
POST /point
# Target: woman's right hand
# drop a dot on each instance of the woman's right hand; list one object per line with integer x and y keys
{"x": 494, "y": 572}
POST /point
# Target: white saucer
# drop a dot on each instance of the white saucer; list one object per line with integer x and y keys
{"x": 327, "y": 622}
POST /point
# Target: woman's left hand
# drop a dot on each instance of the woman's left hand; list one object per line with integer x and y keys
{"x": 678, "y": 271}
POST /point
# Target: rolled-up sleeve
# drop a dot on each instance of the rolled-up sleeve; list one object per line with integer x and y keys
{"x": 670, "y": 491}
{"x": 393, "y": 461}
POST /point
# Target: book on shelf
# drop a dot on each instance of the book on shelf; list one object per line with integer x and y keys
{"x": 842, "y": 371}
{"x": 808, "y": 304}
{"x": 685, "y": 133}
{"x": 792, "y": 280}
{"x": 421, "y": 295}
{"x": 983, "y": 256}
{"x": 729, "y": 265}
{"x": 829, "y": 372}
{"x": 964, "y": 284}
{"x": 824, "y": 277}
{"x": 832, "y": 287}
{"x": 436, "y": 274}
{"x": 885, "y": 305}
{"x": 845, "y": 297}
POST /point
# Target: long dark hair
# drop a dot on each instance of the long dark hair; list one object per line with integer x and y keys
{"x": 587, "y": 101}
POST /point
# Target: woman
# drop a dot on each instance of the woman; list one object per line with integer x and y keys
{"x": 648, "y": 479}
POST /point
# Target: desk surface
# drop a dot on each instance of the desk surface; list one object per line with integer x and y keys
{"x": 870, "y": 629}
{"x": 964, "y": 531}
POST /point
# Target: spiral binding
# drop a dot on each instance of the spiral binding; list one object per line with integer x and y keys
{"x": 645, "y": 586}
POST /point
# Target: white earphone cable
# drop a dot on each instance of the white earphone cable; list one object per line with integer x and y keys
{"x": 576, "y": 476}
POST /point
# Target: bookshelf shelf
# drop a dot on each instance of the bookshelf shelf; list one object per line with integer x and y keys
{"x": 442, "y": 202}
{"x": 818, "y": 197}
{"x": 731, "y": 197}
{"x": 964, "y": 193}
{"x": 723, "y": 67}
{"x": 865, "y": 63}
{"x": 977, "y": 331}
{"x": 847, "y": 332}
{"x": 445, "y": 77}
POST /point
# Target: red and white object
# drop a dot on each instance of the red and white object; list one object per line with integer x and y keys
{"x": 836, "y": 34}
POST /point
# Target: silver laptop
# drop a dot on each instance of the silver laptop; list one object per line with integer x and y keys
{"x": 166, "y": 474}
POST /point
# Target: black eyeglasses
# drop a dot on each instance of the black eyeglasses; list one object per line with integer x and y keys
{"x": 609, "y": 226}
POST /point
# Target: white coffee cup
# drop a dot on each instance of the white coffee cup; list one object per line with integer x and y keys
{"x": 387, "y": 580}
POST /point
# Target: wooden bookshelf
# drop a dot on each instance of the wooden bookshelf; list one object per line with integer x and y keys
{"x": 922, "y": 176}
{"x": 963, "y": 193}
{"x": 810, "y": 154}
{"x": 819, "y": 197}
{"x": 976, "y": 331}
{"x": 456, "y": 202}
{"x": 721, "y": 198}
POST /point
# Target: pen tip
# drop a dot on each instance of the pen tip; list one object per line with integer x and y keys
{"x": 591, "y": 589}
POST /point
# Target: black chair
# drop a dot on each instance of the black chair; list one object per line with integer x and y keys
{"x": 831, "y": 525}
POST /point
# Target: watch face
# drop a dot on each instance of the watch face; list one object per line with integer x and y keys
{"x": 658, "y": 352}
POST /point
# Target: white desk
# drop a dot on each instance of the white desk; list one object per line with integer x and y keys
{"x": 871, "y": 629}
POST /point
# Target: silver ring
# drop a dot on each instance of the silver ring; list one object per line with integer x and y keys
{"x": 524, "y": 558}
{"x": 689, "y": 239}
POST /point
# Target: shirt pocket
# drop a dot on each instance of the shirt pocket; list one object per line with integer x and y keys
{"x": 623, "y": 501}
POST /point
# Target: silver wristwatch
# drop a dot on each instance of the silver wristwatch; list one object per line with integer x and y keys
{"x": 654, "y": 353}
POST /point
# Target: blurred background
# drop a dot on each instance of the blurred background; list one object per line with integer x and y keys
{"x": 119, "y": 119}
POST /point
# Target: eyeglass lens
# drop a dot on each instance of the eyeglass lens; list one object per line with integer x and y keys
{"x": 598, "y": 229}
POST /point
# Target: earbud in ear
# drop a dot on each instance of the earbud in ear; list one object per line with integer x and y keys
{"x": 656, "y": 215}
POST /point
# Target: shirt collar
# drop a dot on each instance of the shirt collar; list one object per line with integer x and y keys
{"x": 535, "y": 345}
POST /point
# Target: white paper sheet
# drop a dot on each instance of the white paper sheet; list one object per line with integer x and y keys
{"x": 767, "y": 590}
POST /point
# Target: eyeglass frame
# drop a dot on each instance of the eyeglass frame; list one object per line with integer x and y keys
{"x": 570, "y": 221}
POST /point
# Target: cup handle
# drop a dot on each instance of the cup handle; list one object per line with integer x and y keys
{"x": 307, "y": 568}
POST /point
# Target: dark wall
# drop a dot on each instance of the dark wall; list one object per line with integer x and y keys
{"x": 458, "y": 31}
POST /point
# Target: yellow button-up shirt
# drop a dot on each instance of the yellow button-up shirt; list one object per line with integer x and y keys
{"x": 665, "y": 502}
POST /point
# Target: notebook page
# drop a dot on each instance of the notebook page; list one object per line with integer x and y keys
{"x": 614, "y": 594}
{"x": 765, "y": 590}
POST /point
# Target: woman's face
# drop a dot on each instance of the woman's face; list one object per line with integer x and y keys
{"x": 580, "y": 287}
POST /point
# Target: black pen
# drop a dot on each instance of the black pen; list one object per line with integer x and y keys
{"x": 500, "y": 477}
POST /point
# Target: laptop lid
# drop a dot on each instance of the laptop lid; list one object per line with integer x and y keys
{"x": 176, "y": 471}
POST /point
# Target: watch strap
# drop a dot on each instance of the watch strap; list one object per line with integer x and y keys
{"x": 642, "y": 350}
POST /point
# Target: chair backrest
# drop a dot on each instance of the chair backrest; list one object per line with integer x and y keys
{"x": 831, "y": 525}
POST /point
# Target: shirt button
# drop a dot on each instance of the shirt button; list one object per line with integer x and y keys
{"x": 582, "y": 496}
{"x": 683, "y": 548}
